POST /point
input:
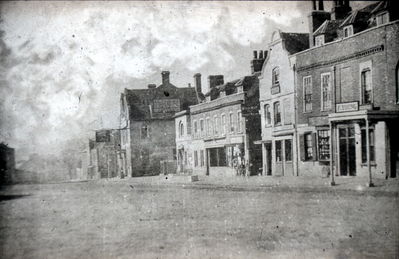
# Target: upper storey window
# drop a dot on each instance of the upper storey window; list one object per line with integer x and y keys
{"x": 348, "y": 31}
{"x": 326, "y": 100}
{"x": 181, "y": 129}
{"x": 319, "y": 40}
{"x": 275, "y": 80}
{"x": 382, "y": 18}
{"x": 276, "y": 76}
{"x": 367, "y": 96}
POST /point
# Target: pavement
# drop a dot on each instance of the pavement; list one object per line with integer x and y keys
{"x": 300, "y": 183}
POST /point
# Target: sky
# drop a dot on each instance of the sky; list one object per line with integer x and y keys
{"x": 63, "y": 65}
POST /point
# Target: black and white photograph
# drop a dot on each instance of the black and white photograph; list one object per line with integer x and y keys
{"x": 199, "y": 129}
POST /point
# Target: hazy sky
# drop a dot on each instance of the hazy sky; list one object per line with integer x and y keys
{"x": 63, "y": 65}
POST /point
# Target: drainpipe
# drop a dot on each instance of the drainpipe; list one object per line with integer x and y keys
{"x": 295, "y": 122}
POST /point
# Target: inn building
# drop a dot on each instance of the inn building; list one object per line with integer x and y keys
{"x": 277, "y": 104}
{"x": 148, "y": 127}
{"x": 347, "y": 92}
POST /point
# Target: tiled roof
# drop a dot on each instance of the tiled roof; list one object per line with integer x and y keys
{"x": 362, "y": 15}
{"x": 231, "y": 87}
{"x": 328, "y": 27}
{"x": 141, "y": 101}
{"x": 295, "y": 42}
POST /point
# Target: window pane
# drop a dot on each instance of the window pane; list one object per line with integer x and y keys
{"x": 288, "y": 150}
{"x": 324, "y": 145}
{"x": 278, "y": 151}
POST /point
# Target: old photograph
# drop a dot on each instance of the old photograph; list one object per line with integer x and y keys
{"x": 199, "y": 129}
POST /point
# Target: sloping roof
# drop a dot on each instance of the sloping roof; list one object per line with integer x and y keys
{"x": 362, "y": 15}
{"x": 231, "y": 87}
{"x": 328, "y": 27}
{"x": 140, "y": 102}
{"x": 295, "y": 42}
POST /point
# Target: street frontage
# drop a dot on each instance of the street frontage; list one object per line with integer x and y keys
{"x": 171, "y": 217}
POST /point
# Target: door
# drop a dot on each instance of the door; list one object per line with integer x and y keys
{"x": 283, "y": 151}
{"x": 347, "y": 150}
{"x": 268, "y": 169}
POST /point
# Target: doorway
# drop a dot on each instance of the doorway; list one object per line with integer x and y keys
{"x": 283, "y": 151}
{"x": 347, "y": 150}
{"x": 268, "y": 162}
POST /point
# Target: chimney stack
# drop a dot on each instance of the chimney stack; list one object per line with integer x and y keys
{"x": 215, "y": 80}
{"x": 257, "y": 63}
{"x": 321, "y": 5}
{"x": 165, "y": 77}
{"x": 316, "y": 18}
{"x": 197, "y": 80}
{"x": 340, "y": 10}
{"x": 152, "y": 86}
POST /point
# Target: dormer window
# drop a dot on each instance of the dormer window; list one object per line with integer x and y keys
{"x": 348, "y": 31}
{"x": 382, "y": 18}
{"x": 319, "y": 40}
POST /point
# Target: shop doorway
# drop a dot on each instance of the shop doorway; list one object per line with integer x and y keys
{"x": 283, "y": 151}
{"x": 347, "y": 150}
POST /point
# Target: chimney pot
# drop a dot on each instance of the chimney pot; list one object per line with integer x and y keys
{"x": 255, "y": 54}
{"x": 314, "y": 5}
{"x": 260, "y": 54}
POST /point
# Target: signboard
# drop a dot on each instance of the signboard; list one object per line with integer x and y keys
{"x": 166, "y": 105}
{"x": 347, "y": 107}
{"x": 103, "y": 136}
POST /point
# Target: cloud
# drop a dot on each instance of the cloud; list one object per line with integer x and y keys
{"x": 63, "y": 64}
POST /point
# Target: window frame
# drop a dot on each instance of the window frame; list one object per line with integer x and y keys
{"x": 363, "y": 85}
{"x": 363, "y": 148}
{"x": 147, "y": 131}
{"x": 231, "y": 122}
{"x": 275, "y": 113}
{"x": 239, "y": 121}
{"x": 322, "y": 103}
{"x": 223, "y": 124}
{"x": 321, "y": 151}
{"x": 381, "y": 15}
{"x": 319, "y": 40}
{"x": 268, "y": 119}
{"x": 348, "y": 31}
{"x": 309, "y": 87}
{"x": 276, "y": 73}
{"x": 308, "y": 146}
{"x": 202, "y": 127}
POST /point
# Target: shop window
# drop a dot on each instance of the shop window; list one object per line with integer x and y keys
{"x": 217, "y": 157}
{"x": 319, "y": 40}
{"x": 323, "y": 137}
{"x": 308, "y": 146}
{"x": 202, "y": 158}
{"x": 277, "y": 113}
{"x": 382, "y": 18}
{"x": 367, "y": 95}
{"x": 278, "y": 151}
{"x": 348, "y": 31}
{"x": 195, "y": 158}
{"x": 145, "y": 132}
{"x": 307, "y": 94}
{"x": 326, "y": 100}
{"x": 288, "y": 150}
{"x": 371, "y": 144}
{"x": 268, "y": 119}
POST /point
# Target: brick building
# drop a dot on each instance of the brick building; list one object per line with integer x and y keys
{"x": 347, "y": 92}
{"x": 104, "y": 160}
{"x": 216, "y": 137}
{"x": 277, "y": 104}
{"x": 148, "y": 126}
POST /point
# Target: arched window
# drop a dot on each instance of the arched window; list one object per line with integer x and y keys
{"x": 181, "y": 129}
